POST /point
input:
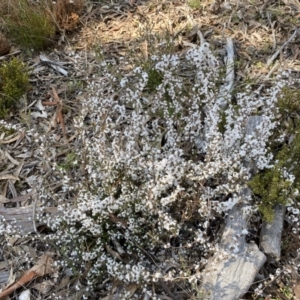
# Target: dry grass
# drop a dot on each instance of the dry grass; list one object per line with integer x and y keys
{"x": 27, "y": 25}
{"x": 65, "y": 13}
{"x": 33, "y": 25}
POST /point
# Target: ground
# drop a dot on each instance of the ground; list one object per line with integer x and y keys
{"x": 126, "y": 33}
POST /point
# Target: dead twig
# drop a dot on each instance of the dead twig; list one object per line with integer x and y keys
{"x": 59, "y": 115}
{"x": 274, "y": 56}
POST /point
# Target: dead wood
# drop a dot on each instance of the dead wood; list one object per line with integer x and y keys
{"x": 22, "y": 217}
{"x": 3, "y": 276}
{"x": 231, "y": 271}
{"x": 43, "y": 267}
{"x": 270, "y": 240}
{"x": 4, "y": 45}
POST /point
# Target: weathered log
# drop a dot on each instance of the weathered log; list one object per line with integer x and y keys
{"x": 21, "y": 218}
{"x": 270, "y": 239}
{"x": 240, "y": 273}
{"x": 4, "y": 275}
{"x": 231, "y": 271}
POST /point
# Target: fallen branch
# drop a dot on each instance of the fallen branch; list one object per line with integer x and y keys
{"x": 229, "y": 80}
{"x": 57, "y": 66}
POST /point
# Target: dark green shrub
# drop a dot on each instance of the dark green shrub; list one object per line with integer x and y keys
{"x": 272, "y": 185}
{"x": 13, "y": 84}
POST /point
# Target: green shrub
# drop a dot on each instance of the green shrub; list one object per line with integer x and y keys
{"x": 70, "y": 162}
{"x": 30, "y": 27}
{"x": 154, "y": 80}
{"x": 13, "y": 84}
{"x": 273, "y": 187}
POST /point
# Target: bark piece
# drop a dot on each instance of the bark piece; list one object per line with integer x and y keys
{"x": 43, "y": 267}
{"x": 4, "y": 275}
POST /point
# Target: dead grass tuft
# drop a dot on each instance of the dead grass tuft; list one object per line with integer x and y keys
{"x": 28, "y": 25}
{"x": 66, "y": 13}
{"x": 33, "y": 25}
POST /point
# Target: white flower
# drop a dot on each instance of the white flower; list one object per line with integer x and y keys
{"x": 156, "y": 157}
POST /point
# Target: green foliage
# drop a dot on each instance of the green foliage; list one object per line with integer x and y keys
{"x": 271, "y": 185}
{"x": 13, "y": 84}
{"x": 154, "y": 80}
{"x": 71, "y": 161}
{"x": 287, "y": 292}
{"x": 195, "y": 4}
{"x": 29, "y": 26}
{"x": 289, "y": 109}
{"x": 222, "y": 123}
{"x": 7, "y": 131}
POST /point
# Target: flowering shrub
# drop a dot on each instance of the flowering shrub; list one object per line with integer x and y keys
{"x": 156, "y": 160}
{"x": 159, "y": 157}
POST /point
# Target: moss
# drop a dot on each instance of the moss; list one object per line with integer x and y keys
{"x": 272, "y": 187}
{"x": 14, "y": 80}
{"x": 289, "y": 109}
{"x": 71, "y": 161}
